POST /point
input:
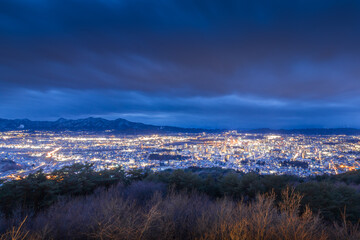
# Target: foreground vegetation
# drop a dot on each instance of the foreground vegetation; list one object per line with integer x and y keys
{"x": 79, "y": 203}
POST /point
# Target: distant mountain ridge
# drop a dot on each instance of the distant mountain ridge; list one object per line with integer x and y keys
{"x": 89, "y": 124}
{"x": 125, "y": 126}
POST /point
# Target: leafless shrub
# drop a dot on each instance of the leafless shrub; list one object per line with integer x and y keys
{"x": 16, "y": 233}
{"x": 144, "y": 211}
{"x": 347, "y": 229}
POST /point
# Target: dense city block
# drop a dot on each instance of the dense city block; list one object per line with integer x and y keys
{"x": 24, "y": 152}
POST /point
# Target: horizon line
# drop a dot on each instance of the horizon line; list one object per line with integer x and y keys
{"x": 205, "y": 128}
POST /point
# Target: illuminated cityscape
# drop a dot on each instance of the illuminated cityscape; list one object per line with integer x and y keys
{"x": 22, "y": 153}
{"x": 179, "y": 119}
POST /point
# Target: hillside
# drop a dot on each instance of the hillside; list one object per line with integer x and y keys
{"x": 89, "y": 124}
{"x": 78, "y": 203}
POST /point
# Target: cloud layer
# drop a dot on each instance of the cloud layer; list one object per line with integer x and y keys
{"x": 294, "y": 62}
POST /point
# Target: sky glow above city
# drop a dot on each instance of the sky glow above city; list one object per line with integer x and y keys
{"x": 211, "y": 64}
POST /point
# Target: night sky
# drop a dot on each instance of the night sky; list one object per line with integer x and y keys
{"x": 212, "y": 64}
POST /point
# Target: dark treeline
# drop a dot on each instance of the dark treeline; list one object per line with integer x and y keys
{"x": 326, "y": 200}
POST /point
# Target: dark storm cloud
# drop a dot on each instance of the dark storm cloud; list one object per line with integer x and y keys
{"x": 212, "y": 112}
{"x": 290, "y": 52}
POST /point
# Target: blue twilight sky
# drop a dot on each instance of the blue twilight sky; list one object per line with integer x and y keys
{"x": 190, "y": 63}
